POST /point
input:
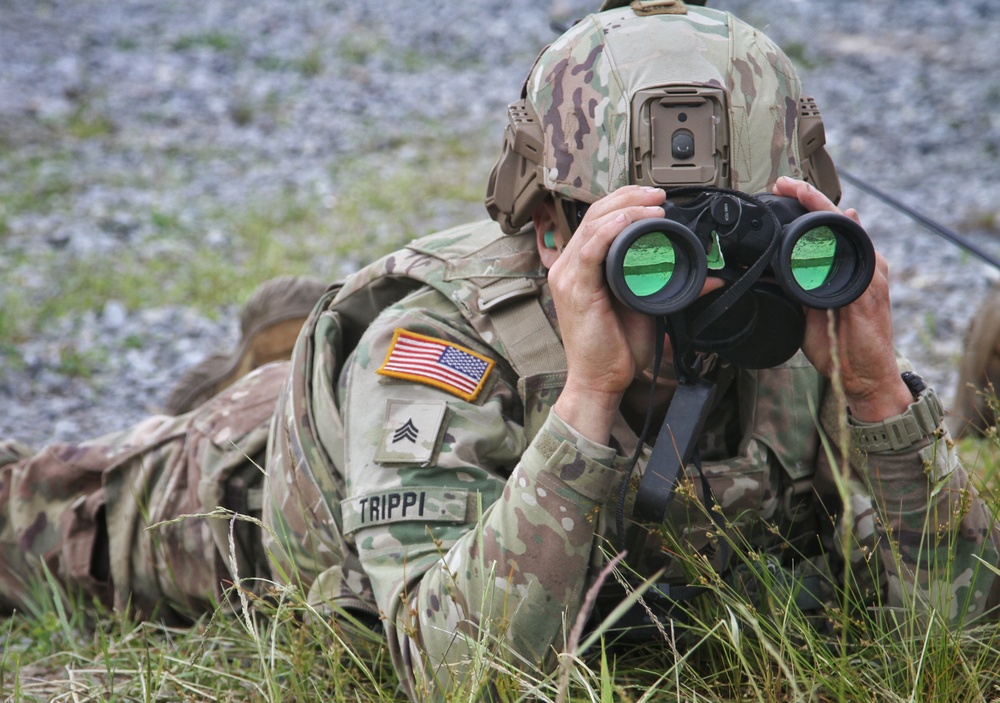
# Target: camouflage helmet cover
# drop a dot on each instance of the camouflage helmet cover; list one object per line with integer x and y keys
{"x": 580, "y": 92}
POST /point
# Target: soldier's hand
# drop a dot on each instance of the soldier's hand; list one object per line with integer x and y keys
{"x": 863, "y": 332}
{"x": 607, "y": 344}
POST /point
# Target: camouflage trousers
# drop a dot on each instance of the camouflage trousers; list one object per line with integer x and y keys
{"x": 124, "y": 518}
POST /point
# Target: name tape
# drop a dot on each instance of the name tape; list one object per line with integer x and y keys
{"x": 424, "y": 504}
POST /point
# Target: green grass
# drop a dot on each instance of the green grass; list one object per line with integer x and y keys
{"x": 219, "y": 41}
{"x": 734, "y": 648}
{"x": 38, "y": 184}
{"x": 309, "y": 64}
{"x": 66, "y": 648}
{"x": 87, "y": 122}
{"x": 381, "y": 201}
{"x": 55, "y": 652}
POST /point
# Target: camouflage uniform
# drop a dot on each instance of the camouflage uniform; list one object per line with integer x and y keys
{"x": 493, "y": 514}
{"x": 83, "y": 510}
{"x": 518, "y": 509}
{"x": 456, "y": 513}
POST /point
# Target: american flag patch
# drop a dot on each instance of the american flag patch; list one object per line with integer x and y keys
{"x": 437, "y": 363}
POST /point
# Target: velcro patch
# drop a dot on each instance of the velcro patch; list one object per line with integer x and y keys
{"x": 424, "y": 504}
{"x": 411, "y": 432}
{"x": 438, "y": 363}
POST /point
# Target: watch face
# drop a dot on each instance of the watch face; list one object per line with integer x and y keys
{"x": 914, "y": 383}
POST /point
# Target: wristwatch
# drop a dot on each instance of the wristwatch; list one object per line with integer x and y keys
{"x": 920, "y": 420}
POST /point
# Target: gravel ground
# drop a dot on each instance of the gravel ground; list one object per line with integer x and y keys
{"x": 224, "y": 104}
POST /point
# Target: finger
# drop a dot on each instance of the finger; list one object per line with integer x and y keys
{"x": 627, "y": 196}
{"x": 594, "y": 249}
{"x": 806, "y": 193}
{"x": 711, "y": 283}
{"x": 882, "y": 264}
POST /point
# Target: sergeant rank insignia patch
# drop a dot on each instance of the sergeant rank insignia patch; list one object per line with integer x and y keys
{"x": 438, "y": 363}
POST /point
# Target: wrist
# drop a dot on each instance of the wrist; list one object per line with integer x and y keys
{"x": 590, "y": 413}
{"x": 921, "y": 421}
{"x": 883, "y": 401}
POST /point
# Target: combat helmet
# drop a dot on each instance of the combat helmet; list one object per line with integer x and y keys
{"x": 655, "y": 93}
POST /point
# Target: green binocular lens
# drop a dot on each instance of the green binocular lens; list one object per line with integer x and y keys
{"x": 814, "y": 257}
{"x": 656, "y": 266}
{"x": 649, "y": 264}
{"x": 825, "y": 260}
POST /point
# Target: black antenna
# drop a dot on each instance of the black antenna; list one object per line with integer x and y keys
{"x": 927, "y": 222}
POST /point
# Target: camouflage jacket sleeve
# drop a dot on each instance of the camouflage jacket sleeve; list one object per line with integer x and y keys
{"x": 471, "y": 533}
{"x": 922, "y": 536}
{"x": 946, "y": 536}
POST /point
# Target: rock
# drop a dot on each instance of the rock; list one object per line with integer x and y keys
{"x": 125, "y": 123}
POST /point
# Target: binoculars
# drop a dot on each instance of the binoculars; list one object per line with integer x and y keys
{"x": 820, "y": 259}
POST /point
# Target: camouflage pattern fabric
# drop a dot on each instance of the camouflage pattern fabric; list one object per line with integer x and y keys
{"x": 457, "y": 515}
{"x": 487, "y": 520}
{"x": 83, "y": 510}
{"x": 516, "y": 509}
{"x": 581, "y": 88}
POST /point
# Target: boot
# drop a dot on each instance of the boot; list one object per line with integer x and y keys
{"x": 979, "y": 372}
{"x": 12, "y": 451}
{"x": 270, "y": 322}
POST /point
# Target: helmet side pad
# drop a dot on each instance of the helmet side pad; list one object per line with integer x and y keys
{"x": 815, "y": 163}
{"x": 515, "y": 186}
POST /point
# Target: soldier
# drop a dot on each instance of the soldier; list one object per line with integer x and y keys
{"x": 974, "y": 409}
{"x": 447, "y": 453}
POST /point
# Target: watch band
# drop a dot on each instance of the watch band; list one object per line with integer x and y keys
{"x": 921, "y": 419}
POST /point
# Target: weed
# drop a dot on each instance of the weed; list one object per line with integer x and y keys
{"x": 241, "y": 112}
{"x": 87, "y": 123}
{"x": 928, "y": 331}
{"x": 219, "y": 41}
{"x": 799, "y": 55}
{"x": 746, "y": 639}
{"x": 311, "y": 64}
{"x": 36, "y": 184}
{"x": 385, "y": 201}
{"x": 359, "y": 47}
{"x": 77, "y": 362}
{"x": 133, "y": 341}
{"x": 379, "y": 202}
{"x": 164, "y": 222}
{"x": 271, "y": 63}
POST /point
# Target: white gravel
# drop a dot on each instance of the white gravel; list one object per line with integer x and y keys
{"x": 224, "y": 103}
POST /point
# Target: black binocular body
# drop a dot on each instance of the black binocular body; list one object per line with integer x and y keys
{"x": 776, "y": 255}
